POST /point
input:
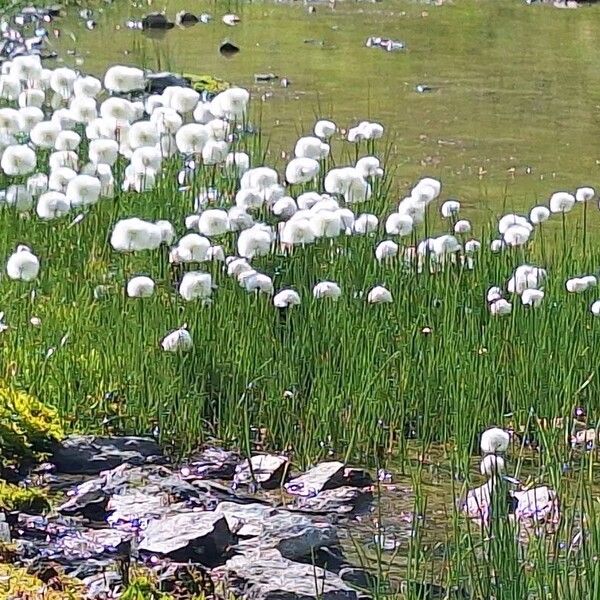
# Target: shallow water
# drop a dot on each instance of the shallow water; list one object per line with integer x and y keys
{"x": 516, "y": 88}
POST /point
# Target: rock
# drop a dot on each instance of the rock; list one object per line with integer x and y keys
{"x": 156, "y": 21}
{"x": 245, "y": 520}
{"x": 184, "y": 19}
{"x": 341, "y": 500}
{"x": 90, "y": 503}
{"x": 359, "y": 578}
{"x": 228, "y": 49}
{"x": 191, "y": 536}
{"x": 266, "y": 575}
{"x": 327, "y": 475}
{"x": 266, "y": 470}
{"x": 157, "y": 82}
{"x": 5, "y": 537}
{"x": 212, "y": 463}
{"x": 89, "y": 455}
{"x": 262, "y": 77}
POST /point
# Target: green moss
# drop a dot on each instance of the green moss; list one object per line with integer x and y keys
{"x": 206, "y": 83}
{"x": 142, "y": 588}
{"x": 27, "y": 427}
{"x": 16, "y": 582}
{"x": 14, "y": 497}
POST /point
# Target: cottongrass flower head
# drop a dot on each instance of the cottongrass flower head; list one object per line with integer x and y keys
{"x": 326, "y": 223}
{"x": 450, "y": 208}
{"x": 37, "y": 184}
{"x": 327, "y": 289}
{"x": 62, "y": 81}
{"x": 239, "y": 219}
{"x": 181, "y": 99}
{"x": 23, "y": 265}
{"x": 135, "y": 234}
{"x": 511, "y": 219}
{"x": 259, "y": 178}
{"x": 59, "y": 179}
{"x": 52, "y": 205}
{"x": 18, "y": 160}
{"x": 215, "y": 152}
{"x": 324, "y": 129}
{"x": 140, "y": 287}
{"x": 63, "y": 158}
{"x": 577, "y": 285}
{"x": 297, "y": 232}
{"x": 462, "y": 227}
{"x": 215, "y": 253}
{"x": 539, "y": 214}
{"x": 590, "y": 280}
{"x": 286, "y": 299}
{"x": 595, "y": 308}
{"x": 284, "y": 208}
{"x": 191, "y": 138}
{"x": 9, "y": 120}
{"x": 379, "y": 295}
{"x": 195, "y": 286}
{"x": 497, "y": 246}
{"x": 307, "y": 200}
{"x": 44, "y": 134}
{"x": 231, "y": 104}
{"x": 532, "y": 297}
{"x": 122, "y": 80}
{"x": 386, "y": 250}
{"x": 365, "y": 223}
{"x": 10, "y": 87}
{"x": 166, "y": 120}
{"x": 142, "y": 134}
{"x": 584, "y": 194}
{"x": 255, "y": 241}
{"x": 28, "y": 117}
{"x": 494, "y": 293}
{"x": 83, "y": 191}
{"x": 179, "y": 340}
{"x": 444, "y": 245}
{"x": 561, "y": 202}
{"x": 31, "y": 97}
{"x": 397, "y": 224}
{"x": 83, "y": 109}
{"x": 213, "y": 222}
{"x": 301, "y": 170}
{"x": 167, "y": 231}
{"x": 426, "y": 190}
{"x": 67, "y": 140}
{"x": 219, "y": 129}
{"x": 202, "y": 113}
{"x": 146, "y": 157}
{"x": 238, "y": 162}
{"x": 192, "y": 248}
{"x": 365, "y": 131}
{"x": 516, "y": 235}
{"x": 349, "y": 183}
{"x": 472, "y": 247}
{"x": 118, "y": 109}
{"x": 494, "y": 441}
{"x": 236, "y": 266}
{"x": 19, "y": 197}
{"x": 255, "y": 282}
{"x": 526, "y": 277}
{"x": 369, "y": 166}
{"x": 102, "y": 151}
{"x": 500, "y": 308}
{"x": 86, "y": 85}
{"x": 63, "y": 118}
{"x": 311, "y": 147}
{"x": 27, "y": 68}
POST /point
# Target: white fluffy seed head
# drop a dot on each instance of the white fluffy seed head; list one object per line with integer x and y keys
{"x": 140, "y": 287}
{"x": 23, "y": 265}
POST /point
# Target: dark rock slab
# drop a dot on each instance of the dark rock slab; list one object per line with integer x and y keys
{"x": 185, "y": 19}
{"x": 266, "y": 575}
{"x": 195, "y": 536}
{"x": 265, "y": 470}
{"x": 156, "y": 21}
{"x": 212, "y": 463}
{"x": 324, "y": 476}
{"x": 343, "y": 500}
{"x": 89, "y": 455}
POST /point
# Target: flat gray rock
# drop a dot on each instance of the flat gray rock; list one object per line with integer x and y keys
{"x": 90, "y": 455}
{"x": 266, "y": 470}
{"x": 343, "y": 500}
{"x": 246, "y": 520}
{"x": 325, "y": 476}
{"x": 196, "y": 536}
{"x": 266, "y": 575}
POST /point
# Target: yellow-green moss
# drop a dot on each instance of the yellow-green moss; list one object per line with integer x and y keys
{"x": 27, "y": 427}
{"x": 142, "y": 588}
{"x": 16, "y": 582}
{"x": 207, "y": 83}
{"x": 14, "y": 497}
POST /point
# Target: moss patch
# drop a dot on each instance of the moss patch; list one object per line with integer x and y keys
{"x": 16, "y": 582}
{"x": 14, "y": 497}
{"x": 28, "y": 428}
{"x": 206, "y": 83}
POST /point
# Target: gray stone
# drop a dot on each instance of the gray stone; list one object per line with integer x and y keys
{"x": 4, "y": 529}
{"x": 90, "y": 455}
{"x": 212, "y": 463}
{"x": 266, "y": 470}
{"x": 246, "y": 520}
{"x": 196, "y": 536}
{"x": 341, "y": 500}
{"x": 325, "y": 476}
{"x": 266, "y": 575}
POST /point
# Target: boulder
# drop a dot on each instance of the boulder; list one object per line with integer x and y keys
{"x": 89, "y": 455}
{"x": 267, "y": 575}
{"x": 325, "y": 476}
{"x": 265, "y": 470}
{"x": 156, "y": 21}
{"x": 195, "y": 536}
{"x": 212, "y": 463}
{"x": 185, "y": 19}
{"x": 343, "y": 500}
